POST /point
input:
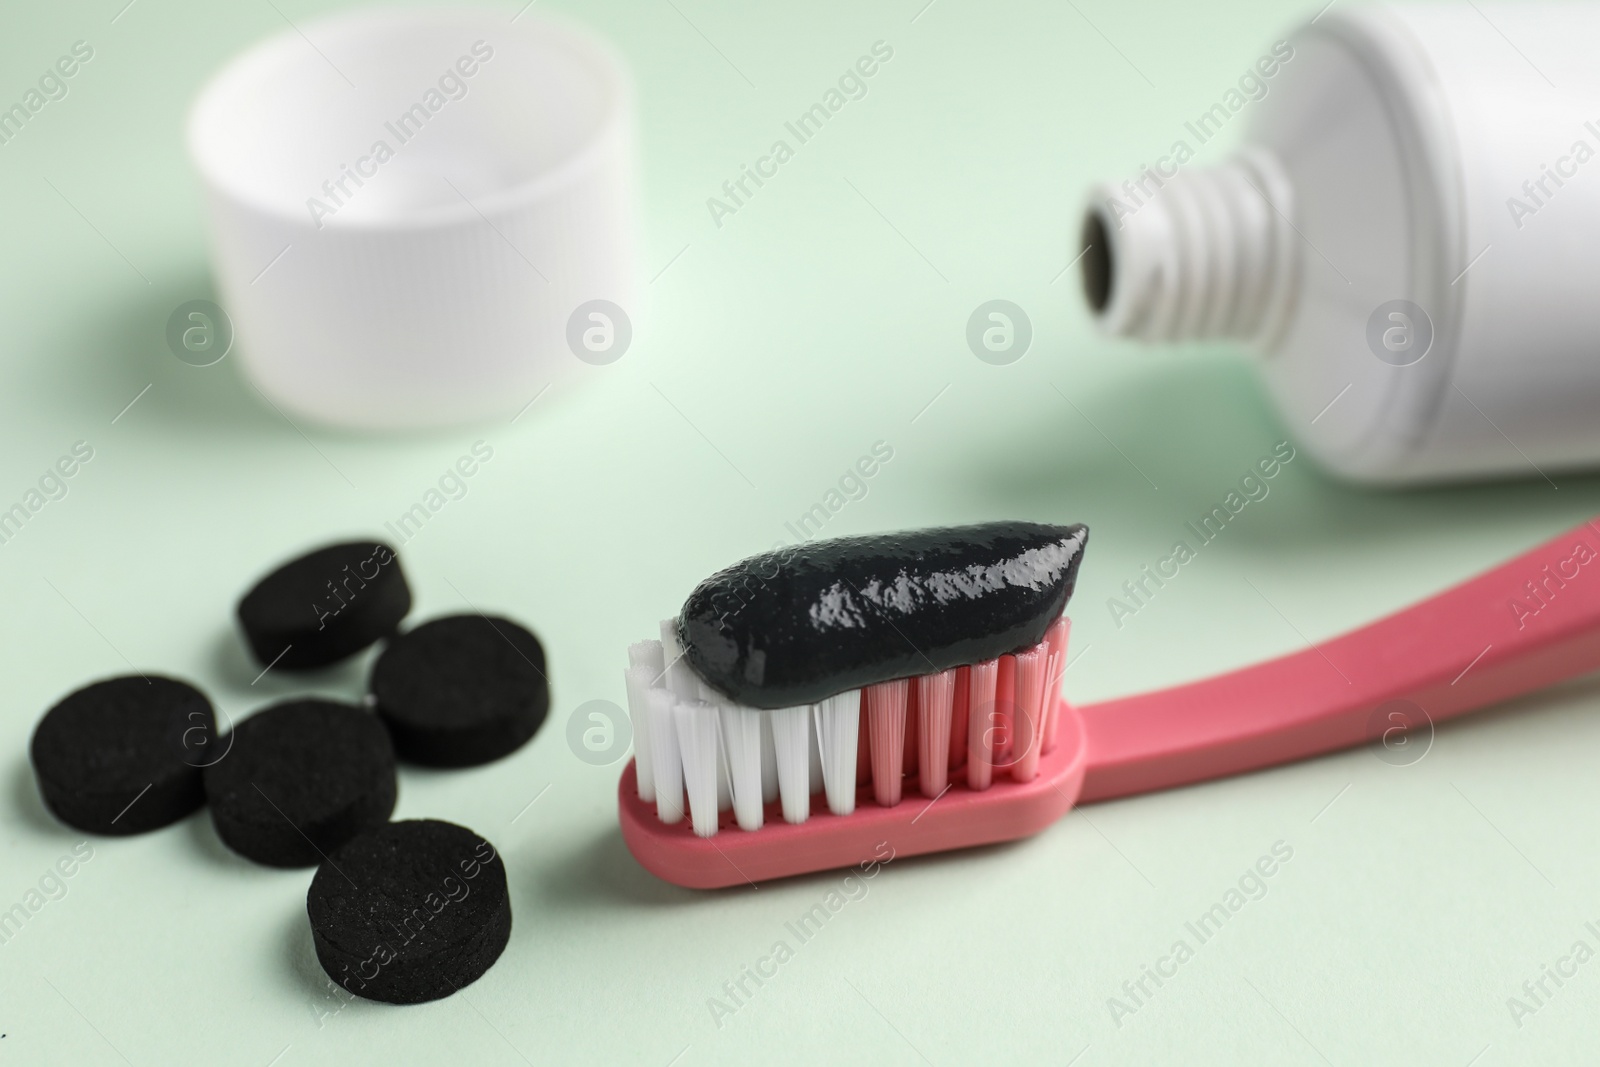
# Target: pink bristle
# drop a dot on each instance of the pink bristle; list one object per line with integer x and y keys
{"x": 958, "y": 718}
{"x": 913, "y": 693}
{"x": 886, "y": 726}
{"x": 864, "y": 749}
{"x": 935, "y": 697}
{"x": 1032, "y": 668}
{"x": 1056, "y": 637}
{"x": 1052, "y": 687}
{"x": 1005, "y": 706}
{"x": 980, "y": 723}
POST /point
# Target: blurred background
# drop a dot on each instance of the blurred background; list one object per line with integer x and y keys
{"x": 822, "y": 321}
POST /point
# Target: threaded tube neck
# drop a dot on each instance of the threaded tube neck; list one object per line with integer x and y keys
{"x": 1205, "y": 254}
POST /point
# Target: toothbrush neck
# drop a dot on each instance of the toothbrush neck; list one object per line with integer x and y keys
{"x": 1207, "y": 253}
{"x": 1526, "y": 624}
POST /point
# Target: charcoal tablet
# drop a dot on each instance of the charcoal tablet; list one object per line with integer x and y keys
{"x": 300, "y": 779}
{"x": 123, "y": 756}
{"x": 461, "y": 690}
{"x": 411, "y": 911}
{"x": 325, "y": 606}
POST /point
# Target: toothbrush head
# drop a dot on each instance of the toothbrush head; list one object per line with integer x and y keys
{"x": 852, "y": 673}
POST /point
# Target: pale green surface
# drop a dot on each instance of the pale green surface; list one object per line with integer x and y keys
{"x": 794, "y": 337}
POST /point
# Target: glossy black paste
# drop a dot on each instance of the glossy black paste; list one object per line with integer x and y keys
{"x": 799, "y": 624}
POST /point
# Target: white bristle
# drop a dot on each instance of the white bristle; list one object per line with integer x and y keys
{"x": 636, "y": 681}
{"x": 935, "y": 701}
{"x": 769, "y": 761}
{"x": 813, "y": 759}
{"x": 697, "y": 742}
{"x": 690, "y": 687}
{"x": 741, "y": 749}
{"x": 886, "y": 733}
{"x": 793, "y": 742}
{"x": 665, "y": 755}
{"x": 980, "y": 723}
{"x": 724, "y": 786}
{"x": 838, "y": 720}
{"x": 648, "y": 654}
{"x": 1028, "y": 717}
{"x": 680, "y": 679}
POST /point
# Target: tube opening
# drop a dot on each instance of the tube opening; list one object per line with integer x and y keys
{"x": 1098, "y": 266}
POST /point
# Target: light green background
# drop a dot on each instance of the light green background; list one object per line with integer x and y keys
{"x": 817, "y": 321}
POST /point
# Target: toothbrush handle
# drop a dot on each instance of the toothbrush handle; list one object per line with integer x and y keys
{"x": 1526, "y": 624}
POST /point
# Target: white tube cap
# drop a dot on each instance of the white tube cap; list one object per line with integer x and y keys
{"x": 419, "y": 217}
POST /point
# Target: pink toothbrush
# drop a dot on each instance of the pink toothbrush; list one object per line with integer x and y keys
{"x": 1529, "y": 623}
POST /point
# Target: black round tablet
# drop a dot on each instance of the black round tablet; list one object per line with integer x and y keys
{"x": 300, "y": 779}
{"x": 411, "y": 911}
{"x": 123, "y": 756}
{"x": 461, "y": 690}
{"x": 325, "y": 606}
